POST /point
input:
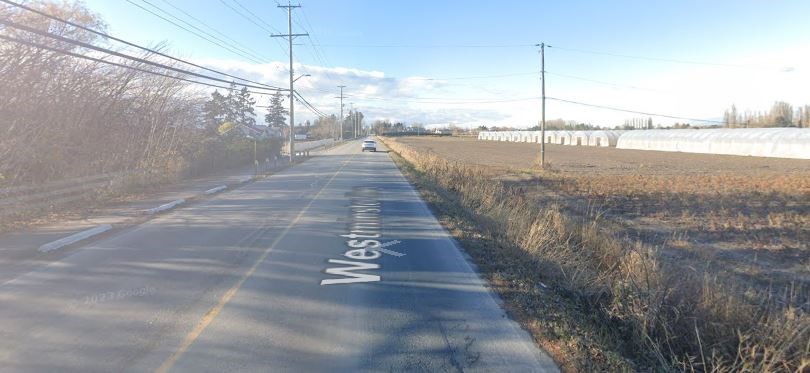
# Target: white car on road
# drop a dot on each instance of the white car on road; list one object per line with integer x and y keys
{"x": 369, "y": 145}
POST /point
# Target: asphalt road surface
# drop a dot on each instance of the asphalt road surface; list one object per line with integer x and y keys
{"x": 333, "y": 265}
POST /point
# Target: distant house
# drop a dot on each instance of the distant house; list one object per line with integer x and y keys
{"x": 261, "y": 132}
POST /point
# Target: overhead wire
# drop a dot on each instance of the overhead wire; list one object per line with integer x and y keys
{"x": 236, "y": 52}
{"x": 315, "y": 51}
{"x": 145, "y": 49}
{"x": 128, "y": 57}
{"x": 479, "y": 76}
{"x": 601, "y": 82}
{"x": 308, "y": 105}
{"x": 269, "y": 28}
{"x": 659, "y": 59}
{"x": 245, "y": 53}
{"x": 633, "y": 111}
{"x": 243, "y": 47}
{"x": 99, "y": 60}
{"x": 264, "y": 26}
{"x": 426, "y": 45}
{"x": 318, "y": 56}
{"x": 430, "y": 100}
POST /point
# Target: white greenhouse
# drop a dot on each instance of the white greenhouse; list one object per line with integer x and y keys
{"x": 603, "y": 138}
{"x": 550, "y": 136}
{"x": 562, "y": 137}
{"x": 759, "y": 142}
{"x": 579, "y": 138}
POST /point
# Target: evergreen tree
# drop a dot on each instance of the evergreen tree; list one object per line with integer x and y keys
{"x": 242, "y": 106}
{"x": 276, "y": 114}
{"x": 215, "y": 111}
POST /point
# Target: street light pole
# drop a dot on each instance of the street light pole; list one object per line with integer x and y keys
{"x": 255, "y": 159}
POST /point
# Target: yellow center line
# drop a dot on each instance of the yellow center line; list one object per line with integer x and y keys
{"x": 214, "y": 311}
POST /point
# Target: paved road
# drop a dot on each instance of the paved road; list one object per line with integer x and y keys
{"x": 18, "y": 250}
{"x": 284, "y": 274}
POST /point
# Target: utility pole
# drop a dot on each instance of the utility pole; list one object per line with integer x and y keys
{"x": 290, "y": 36}
{"x": 340, "y": 121}
{"x": 351, "y": 114}
{"x": 543, "y": 105}
{"x": 359, "y": 127}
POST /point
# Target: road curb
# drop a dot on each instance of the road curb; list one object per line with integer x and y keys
{"x": 166, "y": 206}
{"x": 216, "y": 189}
{"x": 69, "y": 240}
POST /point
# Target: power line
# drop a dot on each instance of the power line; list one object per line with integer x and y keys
{"x": 601, "y": 82}
{"x": 427, "y": 100}
{"x": 245, "y": 53}
{"x": 634, "y": 111}
{"x": 308, "y": 105}
{"x": 475, "y": 101}
{"x": 325, "y": 61}
{"x": 125, "y": 56}
{"x": 425, "y": 45}
{"x": 266, "y": 27}
{"x": 72, "y": 54}
{"x": 269, "y": 28}
{"x": 195, "y": 33}
{"x": 659, "y": 59}
{"x": 315, "y": 52}
{"x": 479, "y": 76}
{"x": 149, "y": 50}
{"x": 242, "y": 47}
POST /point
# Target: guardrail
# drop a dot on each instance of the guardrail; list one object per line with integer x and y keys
{"x": 302, "y": 146}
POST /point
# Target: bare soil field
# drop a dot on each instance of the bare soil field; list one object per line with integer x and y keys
{"x": 714, "y": 249}
{"x": 750, "y": 210}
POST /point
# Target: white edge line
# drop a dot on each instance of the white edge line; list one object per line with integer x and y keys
{"x": 76, "y": 237}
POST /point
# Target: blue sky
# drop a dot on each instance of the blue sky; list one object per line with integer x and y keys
{"x": 385, "y": 50}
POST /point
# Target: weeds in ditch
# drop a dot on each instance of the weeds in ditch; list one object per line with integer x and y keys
{"x": 606, "y": 303}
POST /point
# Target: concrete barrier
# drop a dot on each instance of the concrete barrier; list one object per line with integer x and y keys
{"x": 74, "y": 238}
{"x": 216, "y": 190}
{"x": 166, "y": 206}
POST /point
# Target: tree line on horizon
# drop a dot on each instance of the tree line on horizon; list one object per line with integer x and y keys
{"x": 781, "y": 114}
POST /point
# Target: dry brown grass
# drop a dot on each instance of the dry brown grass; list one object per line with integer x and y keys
{"x": 599, "y": 302}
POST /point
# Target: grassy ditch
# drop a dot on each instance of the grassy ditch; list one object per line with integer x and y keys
{"x": 594, "y": 300}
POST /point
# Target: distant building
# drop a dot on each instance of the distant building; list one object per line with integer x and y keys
{"x": 261, "y": 132}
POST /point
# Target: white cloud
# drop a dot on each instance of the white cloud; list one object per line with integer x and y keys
{"x": 681, "y": 90}
{"x": 410, "y": 99}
